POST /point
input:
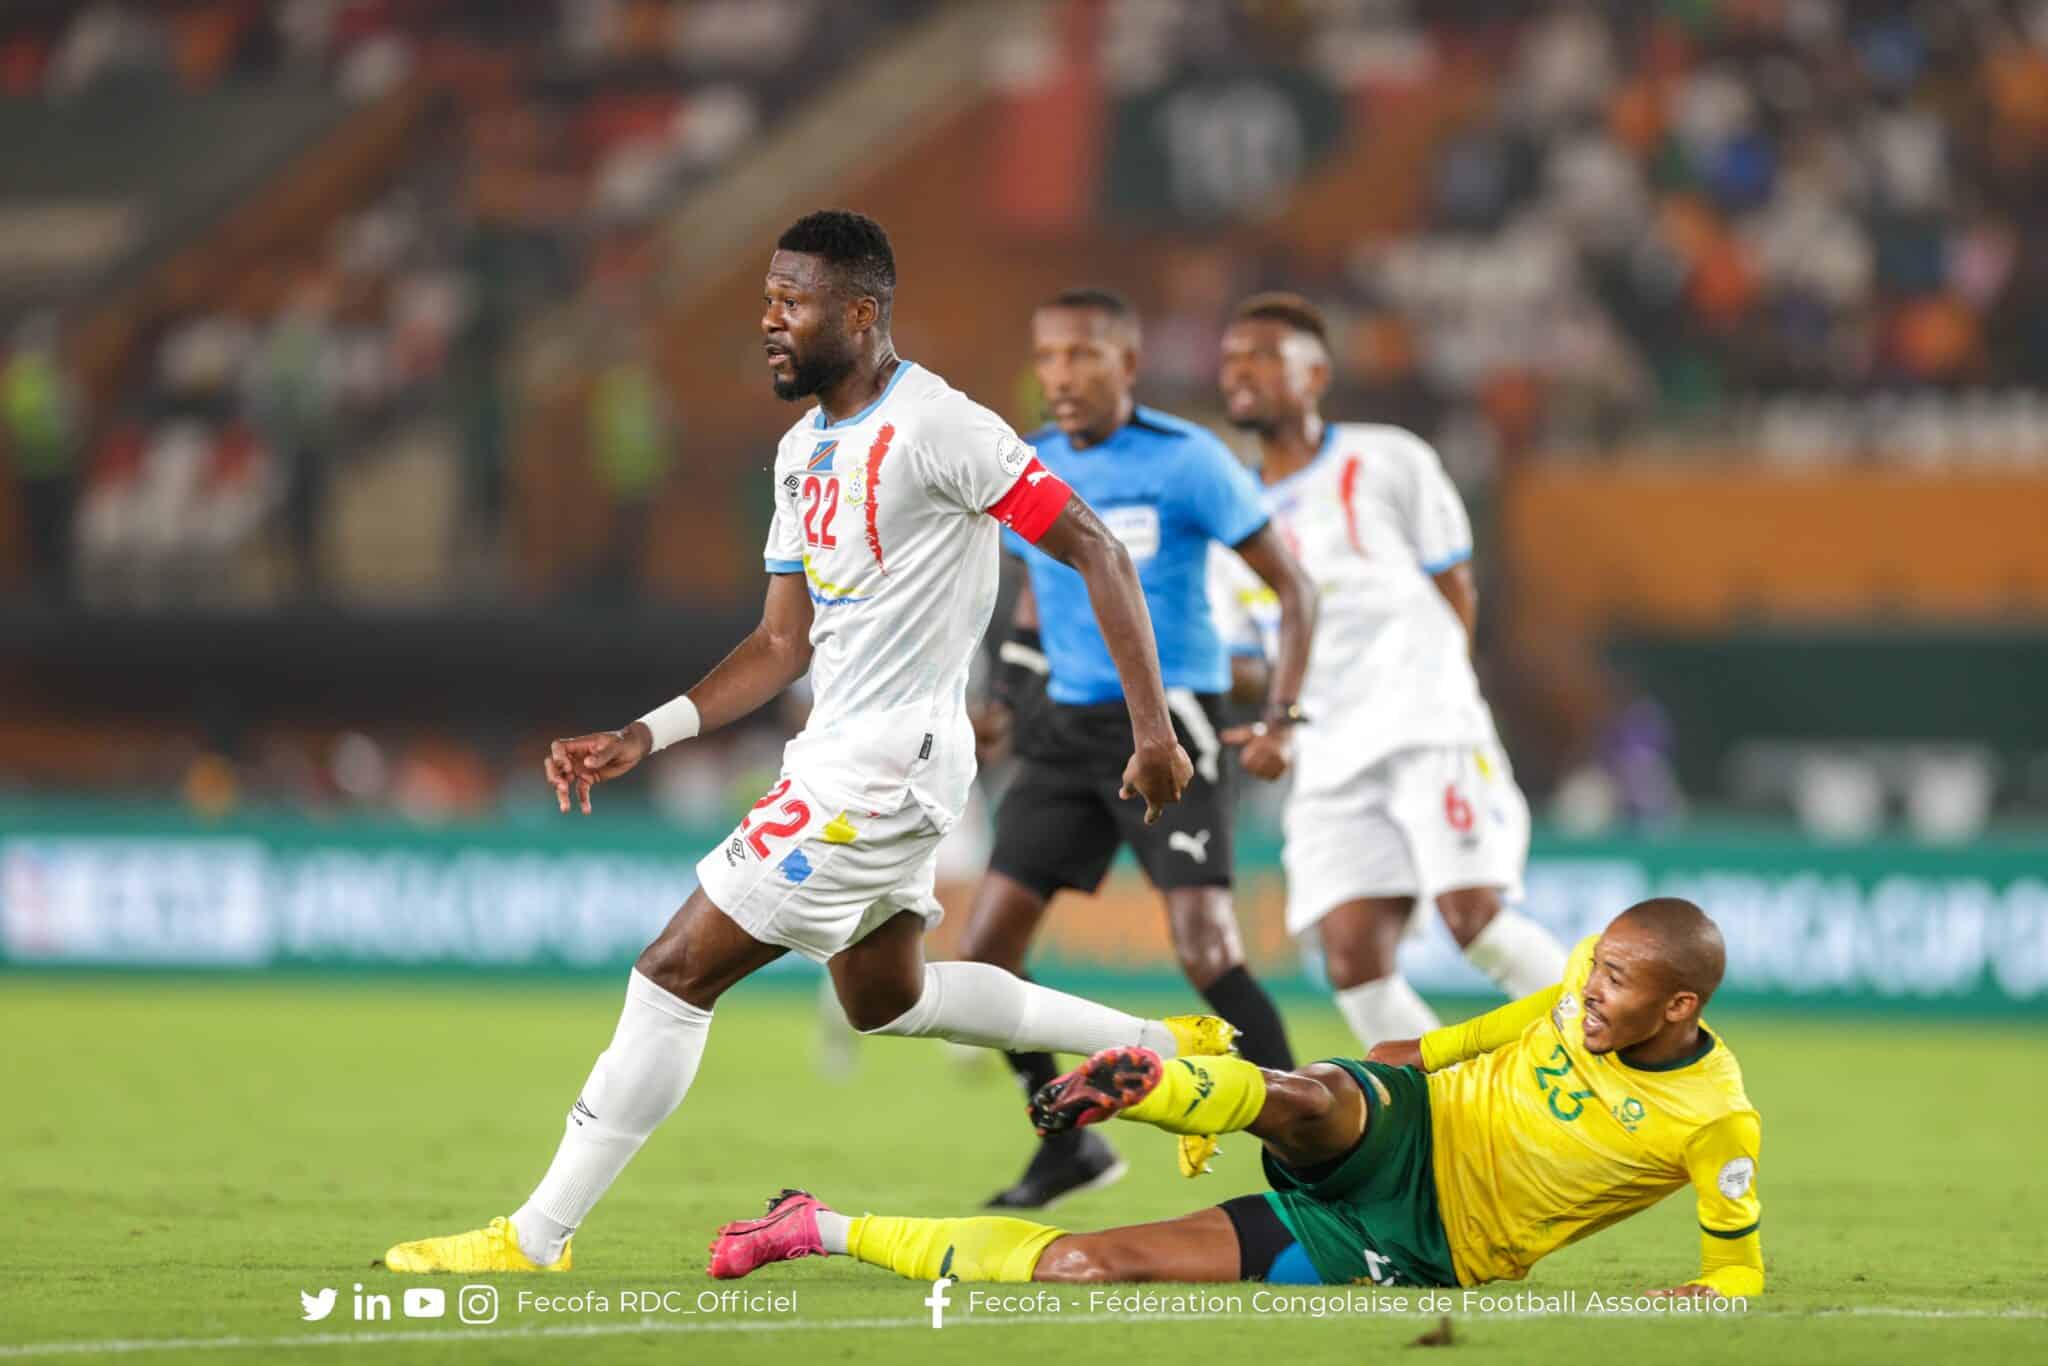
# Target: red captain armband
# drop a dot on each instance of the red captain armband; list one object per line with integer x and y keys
{"x": 1033, "y": 503}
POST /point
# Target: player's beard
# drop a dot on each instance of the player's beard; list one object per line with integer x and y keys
{"x": 1258, "y": 424}
{"x": 812, "y": 373}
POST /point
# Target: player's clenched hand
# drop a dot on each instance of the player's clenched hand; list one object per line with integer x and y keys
{"x": 1397, "y": 1053}
{"x": 574, "y": 766}
{"x": 1159, "y": 774}
{"x": 1267, "y": 752}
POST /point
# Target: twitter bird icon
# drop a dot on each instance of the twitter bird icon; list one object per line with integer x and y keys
{"x": 317, "y": 1307}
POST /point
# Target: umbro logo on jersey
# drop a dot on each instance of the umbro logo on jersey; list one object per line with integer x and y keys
{"x": 821, "y": 458}
{"x": 1195, "y": 846}
{"x": 579, "y": 1111}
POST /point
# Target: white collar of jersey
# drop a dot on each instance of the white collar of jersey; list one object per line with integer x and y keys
{"x": 903, "y": 367}
{"x": 1328, "y": 444}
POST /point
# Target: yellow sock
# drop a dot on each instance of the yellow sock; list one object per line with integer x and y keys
{"x": 984, "y": 1248}
{"x": 1203, "y": 1096}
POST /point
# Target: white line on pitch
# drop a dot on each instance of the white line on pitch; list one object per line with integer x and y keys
{"x": 659, "y": 1326}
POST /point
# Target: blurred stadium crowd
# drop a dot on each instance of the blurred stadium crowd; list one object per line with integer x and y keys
{"x": 559, "y": 132}
{"x": 1774, "y": 225}
{"x": 1786, "y": 232}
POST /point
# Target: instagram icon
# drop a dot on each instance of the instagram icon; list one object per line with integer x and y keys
{"x": 477, "y": 1304}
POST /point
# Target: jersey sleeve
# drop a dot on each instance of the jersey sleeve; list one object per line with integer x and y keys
{"x": 1721, "y": 1159}
{"x": 1433, "y": 513}
{"x": 784, "y": 552}
{"x": 1222, "y": 495}
{"x": 1455, "y": 1043}
{"x": 974, "y": 460}
{"x": 1232, "y": 590}
{"x": 1483, "y": 1034}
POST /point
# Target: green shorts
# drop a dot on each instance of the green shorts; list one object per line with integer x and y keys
{"x": 1374, "y": 1219}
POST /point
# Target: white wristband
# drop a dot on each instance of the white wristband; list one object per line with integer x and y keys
{"x": 672, "y": 721}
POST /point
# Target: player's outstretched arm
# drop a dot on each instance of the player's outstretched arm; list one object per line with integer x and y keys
{"x": 1268, "y": 742}
{"x": 1159, "y": 769}
{"x": 1468, "y": 1039}
{"x": 1721, "y": 1159}
{"x": 773, "y": 656}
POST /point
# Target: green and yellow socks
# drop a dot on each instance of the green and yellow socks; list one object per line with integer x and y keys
{"x": 982, "y": 1248}
{"x": 1217, "y": 1095}
{"x": 1203, "y": 1096}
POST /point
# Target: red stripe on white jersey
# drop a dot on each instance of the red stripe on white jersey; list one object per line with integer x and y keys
{"x": 1347, "y": 492}
{"x": 874, "y": 500}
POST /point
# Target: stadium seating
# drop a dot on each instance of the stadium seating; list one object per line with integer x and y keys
{"x": 540, "y": 146}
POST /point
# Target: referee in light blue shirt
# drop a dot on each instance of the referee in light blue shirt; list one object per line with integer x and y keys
{"x": 1169, "y": 490}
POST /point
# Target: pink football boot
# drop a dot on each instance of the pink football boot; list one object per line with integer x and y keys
{"x": 788, "y": 1230}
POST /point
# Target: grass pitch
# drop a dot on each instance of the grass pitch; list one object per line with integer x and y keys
{"x": 179, "y": 1160}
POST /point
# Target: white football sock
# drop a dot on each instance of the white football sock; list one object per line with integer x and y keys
{"x": 1519, "y": 955}
{"x": 1385, "y": 1009}
{"x": 832, "y": 1230}
{"x": 637, "y": 1083}
{"x": 979, "y": 1003}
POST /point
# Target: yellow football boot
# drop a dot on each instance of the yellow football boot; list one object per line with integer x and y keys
{"x": 494, "y": 1247}
{"x": 1201, "y": 1036}
{"x": 1195, "y": 1152}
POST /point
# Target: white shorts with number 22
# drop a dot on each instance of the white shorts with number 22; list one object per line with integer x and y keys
{"x": 818, "y": 879}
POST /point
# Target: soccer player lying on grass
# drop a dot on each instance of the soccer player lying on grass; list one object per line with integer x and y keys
{"x": 1458, "y": 1158}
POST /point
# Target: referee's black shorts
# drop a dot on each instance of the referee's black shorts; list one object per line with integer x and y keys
{"x": 1061, "y": 821}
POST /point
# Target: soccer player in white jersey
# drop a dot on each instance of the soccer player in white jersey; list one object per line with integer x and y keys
{"x": 1402, "y": 794}
{"x": 882, "y": 562}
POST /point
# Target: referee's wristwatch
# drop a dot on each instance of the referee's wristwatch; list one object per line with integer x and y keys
{"x": 1278, "y": 714}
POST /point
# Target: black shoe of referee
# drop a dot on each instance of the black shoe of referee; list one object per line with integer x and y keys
{"x": 1065, "y": 1164}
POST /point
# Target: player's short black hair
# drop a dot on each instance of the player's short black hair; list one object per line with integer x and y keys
{"x": 1690, "y": 942}
{"x": 1281, "y": 307}
{"x": 1107, "y": 302}
{"x": 1101, "y": 300}
{"x": 853, "y": 244}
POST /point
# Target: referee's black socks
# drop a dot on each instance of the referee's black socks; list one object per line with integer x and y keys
{"x": 1033, "y": 1069}
{"x": 1261, "y": 1038}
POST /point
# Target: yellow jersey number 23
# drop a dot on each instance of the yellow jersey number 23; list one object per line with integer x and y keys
{"x": 1566, "y": 1105}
